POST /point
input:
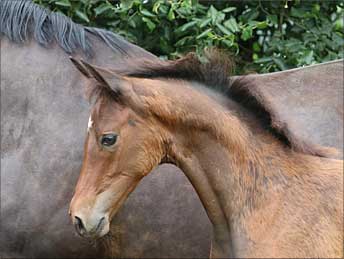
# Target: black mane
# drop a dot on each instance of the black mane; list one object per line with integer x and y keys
{"x": 21, "y": 19}
{"x": 214, "y": 71}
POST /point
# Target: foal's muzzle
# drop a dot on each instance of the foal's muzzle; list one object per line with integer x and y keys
{"x": 91, "y": 227}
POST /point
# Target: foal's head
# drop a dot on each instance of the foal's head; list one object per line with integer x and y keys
{"x": 123, "y": 144}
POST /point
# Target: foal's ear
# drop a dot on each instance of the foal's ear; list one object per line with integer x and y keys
{"x": 80, "y": 67}
{"x": 105, "y": 78}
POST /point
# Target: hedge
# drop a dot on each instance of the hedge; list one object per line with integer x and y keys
{"x": 265, "y": 36}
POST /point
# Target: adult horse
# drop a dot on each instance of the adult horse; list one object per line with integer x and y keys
{"x": 267, "y": 192}
{"x": 41, "y": 150}
{"x": 41, "y": 94}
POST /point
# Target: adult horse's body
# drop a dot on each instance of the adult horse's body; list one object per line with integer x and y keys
{"x": 267, "y": 192}
{"x": 41, "y": 153}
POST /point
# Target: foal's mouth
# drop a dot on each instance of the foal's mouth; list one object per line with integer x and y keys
{"x": 94, "y": 233}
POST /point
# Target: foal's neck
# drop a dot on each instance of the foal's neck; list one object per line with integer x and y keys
{"x": 231, "y": 161}
{"x": 232, "y": 168}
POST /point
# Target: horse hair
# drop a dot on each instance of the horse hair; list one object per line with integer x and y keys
{"x": 213, "y": 71}
{"x": 20, "y": 18}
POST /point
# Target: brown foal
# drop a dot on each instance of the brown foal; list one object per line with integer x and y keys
{"x": 266, "y": 193}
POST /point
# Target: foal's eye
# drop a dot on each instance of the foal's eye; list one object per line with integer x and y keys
{"x": 108, "y": 140}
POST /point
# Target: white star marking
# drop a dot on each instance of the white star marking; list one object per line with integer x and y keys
{"x": 90, "y": 123}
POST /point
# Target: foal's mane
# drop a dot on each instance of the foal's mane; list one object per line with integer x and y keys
{"x": 22, "y": 19}
{"x": 214, "y": 73}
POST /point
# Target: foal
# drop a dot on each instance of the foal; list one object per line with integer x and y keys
{"x": 267, "y": 193}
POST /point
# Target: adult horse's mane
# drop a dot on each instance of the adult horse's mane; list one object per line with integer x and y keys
{"x": 214, "y": 73}
{"x": 22, "y": 19}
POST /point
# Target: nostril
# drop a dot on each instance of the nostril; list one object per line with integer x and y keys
{"x": 79, "y": 225}
{"x": 100, "y": 224}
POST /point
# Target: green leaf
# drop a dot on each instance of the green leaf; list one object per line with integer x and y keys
{"x": 252, "y": 23}
{"x": 339, "y": 24}
{"x": 163, "y": 9}
{"x": 308, "y": 57}
{"x": 232, "y": 25}
{"x": 228, "y": 43}
{"x": 220, "y": 17}
{"x": 338, "y": 39}
{"x": 182, "y": 41}
{"x": 316, "y": 8}
{"x": 184, "y": 12}
{"x": 262, "y": 25}
{"x": 147, "y": 13}
{"x": 65, "y": 3}
{"x": 246, "y": 33}
{"x": 256, "y": 47}
{"x": 132, "y": 23}
{"x": 186, "y": 26}
{"x": 205, "y": 22}
{"x": 292, "y": 44}
{"x": 127, "y": 4}
{"x": 297, "y": 12}
{"x": 203, "y": 34}
{"x": 280, "y": 63}
{"x": 102, "y": 8}
{"x": 263, "y": 60}
{"x": 171, "y": 15}
{"x": 273, "y": 19}
{"x": 156, "y": 6}
{"x": 223, "y": 29}
{"x": 249, "y": 15}
{"x": 82, "y": 16}
{"x": 151, "y": 25}
{"x": 212, "y": 13}
{"x": 229, "y": 9}
{"x": 114, "y": 23}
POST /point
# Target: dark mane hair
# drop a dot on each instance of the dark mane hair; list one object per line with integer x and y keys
{"x": 19, "y": 19}
{"x": 214, "y": 73}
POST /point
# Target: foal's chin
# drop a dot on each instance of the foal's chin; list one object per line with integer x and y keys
{"x": 99, "y": 234}
{"x": 102, "y": 232}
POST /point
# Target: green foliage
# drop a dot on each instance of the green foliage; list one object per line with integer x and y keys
{"x": 265, "y": 36}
